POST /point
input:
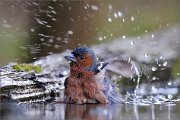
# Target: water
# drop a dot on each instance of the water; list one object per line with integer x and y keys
{"x": 167, "y": 111}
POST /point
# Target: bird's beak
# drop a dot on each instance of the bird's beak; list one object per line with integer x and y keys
{"x": 70, "y": 58}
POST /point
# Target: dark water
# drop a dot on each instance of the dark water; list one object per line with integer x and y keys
{"x": 166, "y": 111}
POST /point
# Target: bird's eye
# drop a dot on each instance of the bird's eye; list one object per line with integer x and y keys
{"x": 81, "y": 57}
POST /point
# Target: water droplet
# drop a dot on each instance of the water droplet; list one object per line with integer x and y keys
{"x": 85, "y": 7}
{"x": 51, "y": 40}
{"x": 124, "y": 37}
{"x": 115, "y": 15}
{"x": 120, "y": 14}
{"x": 145, "y": 31}
{"x": 169, "y": 83}
{"x": 146, "y": 55}
{"x": 42, "y": 39}
{"x": 48, "y": 26}
{"x": 165, "y": 64}
{"x": 35, "y": 3}
{"x": 110, "y": 7}
{"x": 132, "y": 18}
{"x": 65, "y": 73}
{"x": 70, "y": 32}
{"x": 41, "y": 34}
{"x": 70, "y": 8}
{"x": 49, "y": 15}
{"x": 123, "y": 20}
{"x": 59, "y": 38}
{"x": 39, "y": 21}
{"x": 66, "y": 40}
{"x": 160, "y": 57}
{"x": 100, "y": 38}
{"x": 50, "y": 7}
{"x": 153, "y": 68}
{"x": 109, "y": 19}
{"x": 60, "y": 5}
{"x": 132, "y": 42}
{"x": 178, "y": 74}
{"x": 56, "y": 46}
{"x": 170, "y": 96}
{"x": 152, "y": 35}
{"x": 32, "y": 30}
{"x": 53, "y": 11}
{"x": 54, "y": 19}
{"x": 153, "y": 88}
{"x": 154, "y": 78}
{"x": 94, "y": 7}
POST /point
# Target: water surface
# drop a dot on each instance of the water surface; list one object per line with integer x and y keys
{"x": 166, "y": 111}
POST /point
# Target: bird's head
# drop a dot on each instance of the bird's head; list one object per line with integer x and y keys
{"x": 84, "y": 58}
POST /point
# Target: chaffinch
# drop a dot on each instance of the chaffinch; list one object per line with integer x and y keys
{"x": 88, "y": 81}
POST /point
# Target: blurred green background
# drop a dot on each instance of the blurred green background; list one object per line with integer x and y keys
{"x": 31, "y": 29}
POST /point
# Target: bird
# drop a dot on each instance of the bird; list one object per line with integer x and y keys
{"x": 88, "y": 81}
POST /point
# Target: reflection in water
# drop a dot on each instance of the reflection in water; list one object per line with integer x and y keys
{"x": 135, "y": 110}
{"x": 153, "y": 114}
{"x": 91, "y": 112}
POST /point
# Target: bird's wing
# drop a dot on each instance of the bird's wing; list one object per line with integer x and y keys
{"x": 124, "y": 66}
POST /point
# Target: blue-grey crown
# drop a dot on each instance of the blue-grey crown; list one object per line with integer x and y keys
{"x": 83, "y": 49}
{"x": 79, "y": 51}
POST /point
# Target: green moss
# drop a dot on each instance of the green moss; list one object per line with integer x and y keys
{"x": 37, "y": 69}
{"x": 27, "y": 67}
{"x": 16, "y": 67}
